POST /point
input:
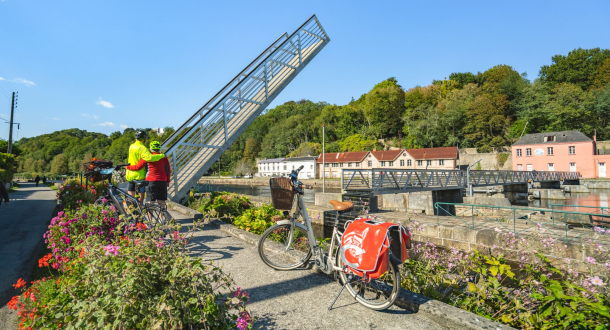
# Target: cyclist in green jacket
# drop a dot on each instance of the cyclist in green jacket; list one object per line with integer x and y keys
{"x": 139, "y": 151}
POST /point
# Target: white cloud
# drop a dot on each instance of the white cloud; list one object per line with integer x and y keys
{"x": 123, "y": 126}
{"x": 24, "y": 81}
{"x": 56, "y": 118}
{"x": 1, "y": 77}
{"x": 106, "y": 123}
{"x": 90, "y": 116}
{"x": 105, "y": 104}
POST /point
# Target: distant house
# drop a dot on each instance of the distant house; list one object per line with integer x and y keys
{"x": 427, "y": 158}
{"x": 284, "y": 166}
{"x": 566, "y": 151}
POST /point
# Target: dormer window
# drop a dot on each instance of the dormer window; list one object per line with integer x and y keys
{"x": 550, "y": 138}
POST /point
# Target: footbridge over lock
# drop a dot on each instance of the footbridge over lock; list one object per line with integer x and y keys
{"x": 391, "y": 181}
{"x": 208, "y": 133}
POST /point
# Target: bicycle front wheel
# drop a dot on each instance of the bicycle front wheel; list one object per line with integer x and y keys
{"x": 283, "y": 249}
{"x": 154, "y": 216}
{"x": 376, "y": 294}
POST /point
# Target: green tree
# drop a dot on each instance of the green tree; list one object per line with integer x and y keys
{"x": 358, "y": 142}
{"x": 570, "y": 108}
{"x": 487, "y": 122}
{"x": 59, "y": 165}
{"x": 383, "y": 109}
{"x": 601, "y": 77}
{"x": 578, "y": 67}
{"x": 252, "y": 148}
{"x": 462, "y": 78}
{"x": 601, "y": 113}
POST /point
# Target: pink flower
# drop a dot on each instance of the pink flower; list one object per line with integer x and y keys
{"x": 242, "y": 324}
{"x": 104, "y": 200}
{"x": 591, "y": 260}
{"x": 104, "y": 212}
{"x": 596, "y": 281}
{"x": 111, "y": 249}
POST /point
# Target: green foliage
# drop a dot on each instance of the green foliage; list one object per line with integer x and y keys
{"x": 7, "y": 167}
{"x": 222, "y": 204}
{"x": 383, "y": 108}
{"x": 358, "y": 142}
{"x": 502, "y": 158}
{"x": 72, "y": 195}
{"x": 258, "y": 219}
{"x": 579, "y": 67}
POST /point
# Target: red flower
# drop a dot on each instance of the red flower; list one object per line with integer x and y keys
{"x": 140, "y": 226}
{"x": 19, "y": 284}
{"x": 13, "y": 303}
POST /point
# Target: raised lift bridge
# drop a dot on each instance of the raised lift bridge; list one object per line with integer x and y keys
{"x": 204, "y": 137}
{"x": 390, "y": 181}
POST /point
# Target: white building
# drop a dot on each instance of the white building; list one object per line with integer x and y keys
{"x": 283, "y": 166}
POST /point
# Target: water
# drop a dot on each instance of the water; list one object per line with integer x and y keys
{"x": 263, "y": 191}
{"x": 597, "y": 198}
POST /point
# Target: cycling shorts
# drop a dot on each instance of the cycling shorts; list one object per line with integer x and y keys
{"x": 157, "y": 191}
{"x": 132, "y": 187}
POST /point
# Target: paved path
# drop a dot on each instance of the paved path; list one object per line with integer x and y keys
{"x": 22, "y": 224}
{"x": 296, "y": 299}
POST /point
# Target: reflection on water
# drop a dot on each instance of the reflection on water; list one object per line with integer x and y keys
{"x": 263, "y": 191}
{"x": 596, "y": 198}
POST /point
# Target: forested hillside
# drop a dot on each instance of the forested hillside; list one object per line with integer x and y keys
{"x": 485, "y": 110}
{"x": 65, "y": 151}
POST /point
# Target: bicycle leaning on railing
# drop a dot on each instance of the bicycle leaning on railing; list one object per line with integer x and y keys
{"x": 290, "y": 244}
{"x": 150, "y": 213}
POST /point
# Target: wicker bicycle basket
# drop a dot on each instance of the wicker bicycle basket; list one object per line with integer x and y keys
{"x": 282, "y": 194}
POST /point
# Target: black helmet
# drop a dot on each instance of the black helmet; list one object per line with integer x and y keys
{"x": 140, "y": 135}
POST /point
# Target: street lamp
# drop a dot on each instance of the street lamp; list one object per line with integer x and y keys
{"x": 468, "y": 177}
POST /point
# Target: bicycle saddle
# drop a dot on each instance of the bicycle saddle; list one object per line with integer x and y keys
{"x": 342, "y": 206}
{"x": 140, "y": 183}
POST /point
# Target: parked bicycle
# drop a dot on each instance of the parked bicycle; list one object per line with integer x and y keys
{"x": 290, "y": 244}
{"x": 150, "y": 213}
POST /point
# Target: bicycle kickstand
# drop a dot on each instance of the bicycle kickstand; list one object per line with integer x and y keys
{"x": 337, "y": 297}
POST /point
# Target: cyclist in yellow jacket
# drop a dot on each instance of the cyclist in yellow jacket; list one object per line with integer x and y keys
{"x": 137, "y": 151}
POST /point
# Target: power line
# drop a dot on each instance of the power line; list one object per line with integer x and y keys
{"x": 8, "y": 81}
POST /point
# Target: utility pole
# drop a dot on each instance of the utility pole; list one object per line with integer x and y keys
{"x": 10, "y": 130}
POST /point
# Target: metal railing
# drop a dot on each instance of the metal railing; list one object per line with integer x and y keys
{"x": 204, "y": 137}
{"x": 381, "y": 180}
{"x": 596, "y": 214}
{"x": 567, "y": 225}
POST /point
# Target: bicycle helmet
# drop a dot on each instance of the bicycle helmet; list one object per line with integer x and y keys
{"x": 155, "y": 145}
{"x": 140, "y": 135}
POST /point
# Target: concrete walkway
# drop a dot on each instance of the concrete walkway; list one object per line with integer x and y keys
{"x": 296, "y": 299}
{"x": 22, "y": 224}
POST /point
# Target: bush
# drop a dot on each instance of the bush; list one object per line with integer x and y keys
{"x": 531, "y": 294}
{"x": 72, "y": 195}
{"x": 222, "y": 204}
{"x": 7, "y": 167}
{"x": 258, "y": 219}
{"x": 131, "y": 278}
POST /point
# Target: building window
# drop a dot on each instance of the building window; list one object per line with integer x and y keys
{"x": 390, "y": 164}
{"x": 284, "y": 167}
{"x": 572, "y": 150}
{"x": 551, "y": 167}
{"x": 402, "y": 162}
{"x": 349, "y": 164}
{"x": 357, "y": 164}
{"x": 429, "y": 163}
{"x": 572, "y": 167}
{"x": 420, "y": 162}
{"x": 441, "y": 162}
{"x": 519, "y": 167}
{"x": 529, "y": 167}
{"x": 549, "y": 138}
{"x": 370, "y": 163}
{"x": 528, "y": 151}
{"x": 382, "y": 163}
{"x": 518, "y": 152}
{"x": 408, "y": 162}
{"x": 311, "y": 167}
{"x": 340, "y": 164}
{"x": 549, "y": 151}
{"x": 326, "y": 165}
{"x": 335, "y": 165}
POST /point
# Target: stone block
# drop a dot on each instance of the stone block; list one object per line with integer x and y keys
{"x": 445, "y": 232}
{"x": 464, "y": 246}
{"x": 430, "y": 230}
{"x": 488, "y": 237}
{"x": 464, "y": 234}
{"x": 322, "y": 199}
{"x": 434, "y": 240}
{"x": 569, "y": 250}
{"x": 492, "y": 201}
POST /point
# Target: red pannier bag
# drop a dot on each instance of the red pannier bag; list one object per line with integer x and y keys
{"x": 366, "y": 245}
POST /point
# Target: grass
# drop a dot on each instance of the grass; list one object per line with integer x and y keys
{"x": 52, "y": 186}
{"x": 14, "y": 188}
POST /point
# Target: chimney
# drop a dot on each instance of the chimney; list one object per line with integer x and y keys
{"x": 375, "y": 149}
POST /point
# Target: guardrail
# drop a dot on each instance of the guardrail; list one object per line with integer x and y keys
{"x": 380, "y": 180}
{"x": 517, "y": 220}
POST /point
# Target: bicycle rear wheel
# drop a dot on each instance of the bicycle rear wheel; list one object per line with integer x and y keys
{"x": 283, "y": 251}
{"x": 154, "y": 216}
{"x": 376, "y": 294}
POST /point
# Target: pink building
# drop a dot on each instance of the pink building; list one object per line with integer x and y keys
{"x": 568, "y": 151}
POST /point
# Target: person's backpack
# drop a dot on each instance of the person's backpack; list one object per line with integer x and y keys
{"x": 366, "y": 246}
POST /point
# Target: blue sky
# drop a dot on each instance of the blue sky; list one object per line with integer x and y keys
{"x": 156, "y": 62}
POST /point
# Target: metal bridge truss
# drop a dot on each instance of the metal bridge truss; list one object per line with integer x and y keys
{"x": 202, "y": 139}
{"x": 382, "y": 181}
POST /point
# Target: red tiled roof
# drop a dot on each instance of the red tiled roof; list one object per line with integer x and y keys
{"x": 343, "y": 157}
{"x": 434, "y": 153}
{"x": 387, "y": 154}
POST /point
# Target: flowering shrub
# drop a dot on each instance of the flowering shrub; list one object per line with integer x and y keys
{"x": 258, "y": 219}
{"x": 72, "y": 194}
{"x": 117, "y": 276}
{"x": 222, "y": 204}
{"x": 69, "y": 228}
{"x": 528, "y": 293}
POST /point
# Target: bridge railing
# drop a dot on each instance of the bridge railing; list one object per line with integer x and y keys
{"x": 565, "y": 225}
{"x": 379, "y": 180}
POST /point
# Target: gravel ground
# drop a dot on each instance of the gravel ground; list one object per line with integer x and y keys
{"x": 296, "y": 299}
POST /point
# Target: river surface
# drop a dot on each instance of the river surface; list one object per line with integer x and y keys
{"x": 263, "y": 191}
